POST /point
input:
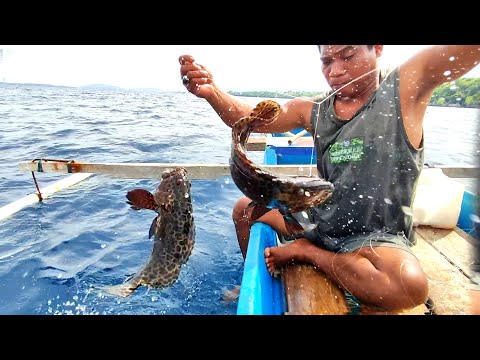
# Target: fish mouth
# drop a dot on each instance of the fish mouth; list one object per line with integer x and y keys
{"x": 174, "y": 172}
{"x": 313, "y": 184}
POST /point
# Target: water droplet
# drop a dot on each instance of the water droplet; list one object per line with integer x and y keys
{"x": 388, "y": 201}
{"x": 187, "y": 195}
{"x": 307, "y": 193}
{"x": 360, "y": 196}
{"x": 446, "y": 73}
{"x": 451, "y": 58}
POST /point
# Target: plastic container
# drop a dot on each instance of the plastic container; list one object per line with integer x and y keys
{"x": 438, "y": 200}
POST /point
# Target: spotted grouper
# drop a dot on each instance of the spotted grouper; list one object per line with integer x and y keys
{"x": 173, "y": 230}
{"x": 289, "y": 194}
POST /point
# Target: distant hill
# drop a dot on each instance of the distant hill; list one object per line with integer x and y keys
{"x": 100, "y": 87}
{"x": 33, "y": 85}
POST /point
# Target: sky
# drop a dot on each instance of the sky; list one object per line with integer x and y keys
{"x": 234, "y": 67}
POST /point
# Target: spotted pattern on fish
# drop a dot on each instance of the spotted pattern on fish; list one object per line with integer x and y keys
{"x": 289, "y": 194}
{"x": 173, "y": 230}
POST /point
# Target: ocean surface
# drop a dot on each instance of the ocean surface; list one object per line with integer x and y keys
{"x": 56, "y": 256}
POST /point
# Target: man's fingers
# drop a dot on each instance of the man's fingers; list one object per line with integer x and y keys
{"x": 186, "y": 59}
{"x": 192, "y": 74}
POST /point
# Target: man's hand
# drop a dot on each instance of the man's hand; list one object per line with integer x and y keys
{"x": 195, "y": 77}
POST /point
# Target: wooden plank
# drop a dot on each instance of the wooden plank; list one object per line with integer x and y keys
{"x": 256, "y": 144}
{"x": 448, "y": 287}
{"x": 464, "y": 171}
{"x": 310, "y": 292}
{"x": 33, "y": 198}
{"x": 475, "y": 296}
{"x": 155, "y": 170}
{"x": 418, "y": 310}
{"x": 455, "y": 245}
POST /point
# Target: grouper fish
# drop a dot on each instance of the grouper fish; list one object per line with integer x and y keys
{"x": 289, "y": 194}
{"x": 173, "y": 230}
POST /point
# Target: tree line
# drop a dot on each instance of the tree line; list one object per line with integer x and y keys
{"x": 463, "y": 92}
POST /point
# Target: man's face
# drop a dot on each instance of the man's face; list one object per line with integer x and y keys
{"x": 344, "y": 63}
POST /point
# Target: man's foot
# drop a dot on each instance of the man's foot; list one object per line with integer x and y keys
{"x": 231, "y": 295}
{"x": 277, "y": 256}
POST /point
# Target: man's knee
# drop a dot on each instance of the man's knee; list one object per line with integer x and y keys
{"x": 413, "y": 283}
{"x": 239, "y": 212}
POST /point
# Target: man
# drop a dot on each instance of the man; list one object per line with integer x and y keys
{"x": 364, "y": 232}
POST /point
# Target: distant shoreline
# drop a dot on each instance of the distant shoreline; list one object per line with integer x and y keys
{"x": 291, "y": 95}
{"x": 436, "y": 100}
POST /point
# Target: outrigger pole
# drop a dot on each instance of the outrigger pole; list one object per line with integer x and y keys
{"x": 195, "y": 171}
{"x": 151, "y": 170}
{"x": 33, "y": 198}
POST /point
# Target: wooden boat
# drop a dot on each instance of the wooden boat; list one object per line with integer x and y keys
{"x": 445, "y": 254}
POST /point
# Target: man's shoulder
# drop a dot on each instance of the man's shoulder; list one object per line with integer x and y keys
{"x": 385, "y": 72}
{"x": 321, "y": 96}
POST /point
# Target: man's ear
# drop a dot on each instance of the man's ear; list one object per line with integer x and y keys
{"x": 378, "y": 50}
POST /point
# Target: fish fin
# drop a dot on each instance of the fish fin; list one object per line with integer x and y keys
{"x": 251, "y": 205}
{"x": 153, "y": 227}
{"x": 258, "y": 211}
{"x": 141, "y": 199}
{"x": 292, "y": 224}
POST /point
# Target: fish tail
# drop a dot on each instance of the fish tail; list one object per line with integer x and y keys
{"x": 123, "y": 290}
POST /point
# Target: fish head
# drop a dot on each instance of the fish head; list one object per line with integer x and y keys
{"x": 303, "y": 193}
{"x": 174, "y": 188}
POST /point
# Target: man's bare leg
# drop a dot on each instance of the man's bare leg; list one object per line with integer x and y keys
{"x": 242, "y": 220}
{"x": 388, "y": 278}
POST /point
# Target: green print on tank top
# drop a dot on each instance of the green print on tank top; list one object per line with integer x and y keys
{"x": 347, "y": 150}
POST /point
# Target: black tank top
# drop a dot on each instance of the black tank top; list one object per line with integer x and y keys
{"x": 371, "y": 163}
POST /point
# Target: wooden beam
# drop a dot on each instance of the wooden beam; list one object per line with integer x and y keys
{"x": 155, "y": 170}
{"x": 464, "y": 171}
{"x": 256, "y": 144}
{"x": 196, "y": 171}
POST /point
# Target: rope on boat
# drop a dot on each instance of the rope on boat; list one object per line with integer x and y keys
{"x": 40, "y": 169}
{"x": 68, "y": 162}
